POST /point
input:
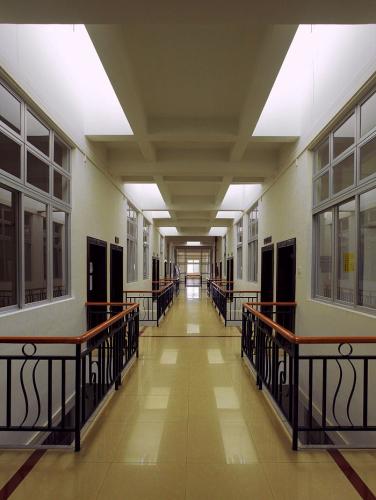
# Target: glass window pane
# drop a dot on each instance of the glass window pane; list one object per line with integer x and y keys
{"x": 61, "y": 153}
{"x": 252, "y": 260}
{"x": 367, "y": 260}
{"x": 37, "y": 134}
{"x": 344, "y": 136}
{"x": 8, "y": 248}
{"x": 35, "y": 236}
{"x": 346, "y": 257}
{"x": 240, "y": 263}
{"x": 322, "y": 188}
{"x": 10, "y": 156}
{"x": 368, "y": 115}
{"x": 59, "y": 254}
{"x": 324, "y": 254}
{"x": 368, "y": 159}
{"x": 322, "y": 155}
{"x": 10, "y": 109}
{"x": 38, "y": 173}
{"x": 61, "y": 186}
{"x": 343, "y": 174}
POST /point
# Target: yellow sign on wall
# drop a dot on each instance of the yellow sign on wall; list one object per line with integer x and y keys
{"x": 349, "y": 262}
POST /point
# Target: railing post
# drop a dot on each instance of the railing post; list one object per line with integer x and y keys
{"x": 295, "y": 417}
{"x": 78, "y": 395}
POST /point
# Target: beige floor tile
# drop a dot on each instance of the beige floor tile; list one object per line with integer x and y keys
{"x": 308, "y": 481}
{"x": 274, "y": 445}
{"x": 168, "y": 407}
{"x": 62, "y": 478}
{"x": 367, "y": 472}
{"x": 144, "y": 482}
{"x": 220, "y": 441}
{"x": 153, "y": 442}
{"x": 227, "y": 482}
{"x": 360, "y": 456}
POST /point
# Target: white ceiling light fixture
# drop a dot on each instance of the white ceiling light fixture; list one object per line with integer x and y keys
{"x": 218, "y": 231}
{"x": 145, "y": 196}
{"x": 193, "y": 243}
{"x": 240, "y": 196}
{"x": 169, "y": 231}
{"x": 228, "y": 214}
{"x": 157, "y": 214}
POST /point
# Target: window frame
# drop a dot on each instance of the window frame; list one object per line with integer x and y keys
{"x": 146, "y": 248}
{"x": 22, "y": 189}
{"x": 132, "y": 242}
{"x": 253, "y": 241}
{"x": 239, "y": 248}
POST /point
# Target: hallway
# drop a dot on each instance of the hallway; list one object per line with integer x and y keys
{"x": 188, "y": 422}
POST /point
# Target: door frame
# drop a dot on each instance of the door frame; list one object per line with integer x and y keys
{"x": 120, "y": 249}
{"x": 267, "y": 248}
{"x": 282, "y": 244}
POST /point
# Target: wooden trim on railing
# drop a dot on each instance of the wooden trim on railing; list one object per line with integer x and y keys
{"x": 233, "y": 290}
{"x": 294, "y": 339}
{"x": 158, "y": 291}
{"x": 283, "y": 304}
{"x": 81, "y": 339}
{"x": 117, "y": 304}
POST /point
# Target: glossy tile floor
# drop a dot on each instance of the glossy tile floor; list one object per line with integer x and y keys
{"x": 188, "y": 423}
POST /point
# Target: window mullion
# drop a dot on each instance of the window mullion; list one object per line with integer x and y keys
{"x": 357, "y": 250}
{"x": 21, "y": 251}
{"x": 50, "y": 236}
{"x": 335, "y": 254}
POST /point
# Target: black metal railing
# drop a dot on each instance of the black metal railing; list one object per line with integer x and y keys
{"x": 321, "y": 385}
{"x": 153, "y": 304}
{"x": 229, "y": 302}
{"x": 53, "y": 385}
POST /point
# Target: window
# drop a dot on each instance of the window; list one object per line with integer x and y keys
{"x": 146, "y": 245}
{"x": 8, "y": 248}
{"x": 239, "y": 250}
{"x": 253, "y": 243}
{"x": 131, "y": 244}
{"x": 34, "y": 208}
{"x": 193, "y": 266}
{"x": 345, "y": 212}
{"x": 35, "y": 254}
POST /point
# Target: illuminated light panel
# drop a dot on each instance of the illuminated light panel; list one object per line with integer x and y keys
{"x": 70, "y": 51}
{"x": 218, "y": 231}
{"x": 240, "y": 196}
{"x": 168, "y": 231}
{"x": 193, "y": 243}
{"x": 157, "y": 214}
{"x": 145, "y": 196}
{"x": 221, "y": 214}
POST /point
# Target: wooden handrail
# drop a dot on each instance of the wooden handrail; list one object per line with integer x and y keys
{"x": 283, "y": 304}
{"x": 224, "y": 290}
{"x": 157, "y": 291}
{"x": 101, "y": 304}
{"x": 80, "y": 339}
{"x": 294, "y": 339}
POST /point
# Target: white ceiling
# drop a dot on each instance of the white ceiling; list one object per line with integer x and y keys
{"x": 193, "y": 94}
{"x": 193, "y": 79}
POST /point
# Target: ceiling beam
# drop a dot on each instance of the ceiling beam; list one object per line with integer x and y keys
{"x": 111, "y": 48}
{"x": 269, "y": 60}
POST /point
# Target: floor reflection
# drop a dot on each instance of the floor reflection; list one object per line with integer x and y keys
{"x": 193, "y": 292}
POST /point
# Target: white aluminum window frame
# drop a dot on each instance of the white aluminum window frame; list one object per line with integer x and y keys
{"x": 22, "y": 188}
{"x": 359, "y": 187}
